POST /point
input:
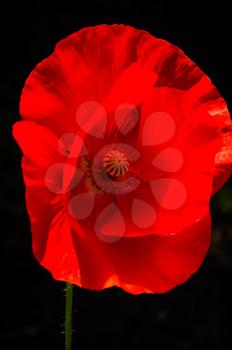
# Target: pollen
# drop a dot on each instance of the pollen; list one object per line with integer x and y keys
{"x": 115, "y": 163}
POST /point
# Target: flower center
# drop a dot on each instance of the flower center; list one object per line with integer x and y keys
{"x": 115, "y": 163}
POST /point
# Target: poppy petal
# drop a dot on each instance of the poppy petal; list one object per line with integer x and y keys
{"x": 143, "y": 214}
{"x": 65, "y": 144}
{"x": 76, "y": 73}
{"x": 37, "y": 143}
{"x": 81, "y": 205}
{"x": 169, "y": 160}
{"x": 64, "y": 264}
{"x": 126, "y": 117}
{"x": 170, "y": 193}
{"x": 110, "y": 224}
{"x": 55, "y": 177}
{"x": 131, "y": 87}
{"x": 50, "y": 229}
{"x": 92, "y": 118}
{"x": 205, "y": 94}
{"x": 223, "y": 160}
{"x": 151, "y": 264}
{"x": 182, "y": 197}
{"x": 158, "y": 128}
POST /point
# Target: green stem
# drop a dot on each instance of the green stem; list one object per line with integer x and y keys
{"x": 68, "y": 317}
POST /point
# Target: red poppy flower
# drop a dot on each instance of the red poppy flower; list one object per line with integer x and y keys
{"x": 124, "y": 141}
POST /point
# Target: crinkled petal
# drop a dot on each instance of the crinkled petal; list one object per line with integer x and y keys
{"x": 51, "y": 237}
{"x": 205, "y": 94}
{"x": 152, "y": 264}
{"x": 85, "y": 66}
{"x": 223, "y": 160}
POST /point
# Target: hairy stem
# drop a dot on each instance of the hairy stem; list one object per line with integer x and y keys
{"x": 68, "y": 317}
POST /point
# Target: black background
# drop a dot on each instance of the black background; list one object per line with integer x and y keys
{"x": 195, "y": 315}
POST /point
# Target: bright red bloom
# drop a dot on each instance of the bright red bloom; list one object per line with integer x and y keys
{"x": 124, "y": 141}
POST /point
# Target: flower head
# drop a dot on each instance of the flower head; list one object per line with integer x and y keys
{"x": 124, "y": 141}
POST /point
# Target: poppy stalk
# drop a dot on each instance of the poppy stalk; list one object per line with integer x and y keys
{"x": 68, "y": 316}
